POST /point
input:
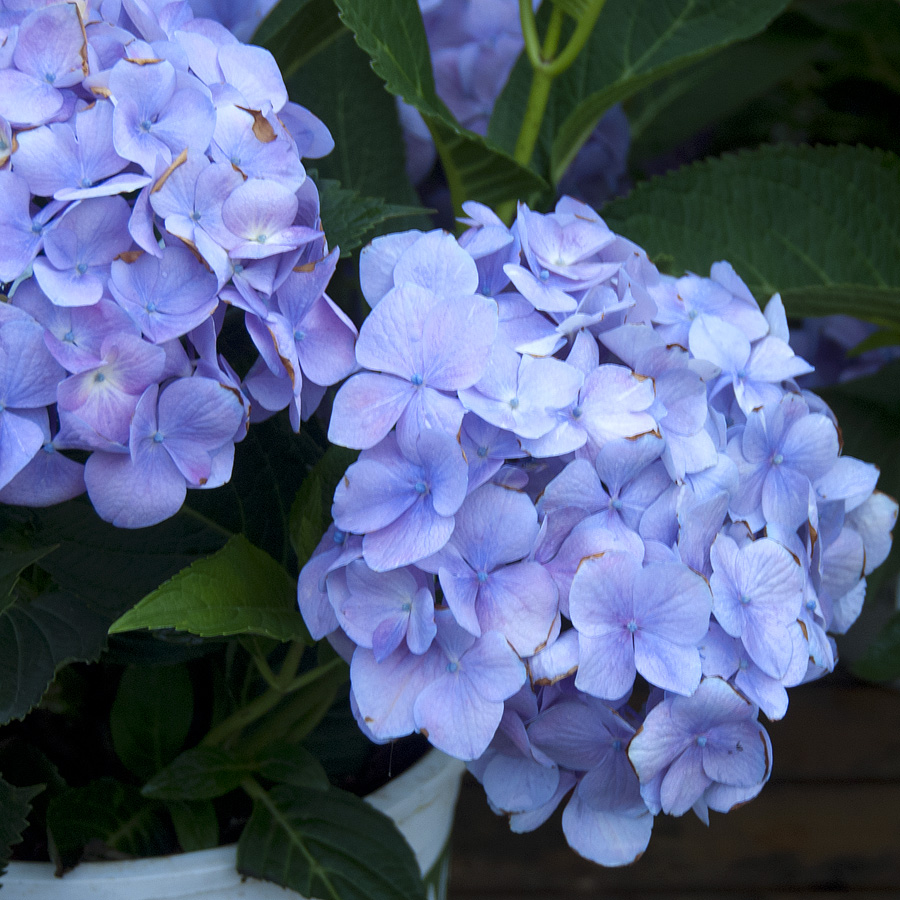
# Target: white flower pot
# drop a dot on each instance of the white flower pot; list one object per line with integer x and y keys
{"x": 421, "y": 801}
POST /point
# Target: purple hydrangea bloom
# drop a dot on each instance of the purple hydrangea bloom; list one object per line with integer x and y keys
{"x": 611, "y": 511}
{"x": 703, "y": 751}
{"x": 142, "y": 97}
{"x": 174, "y": 437}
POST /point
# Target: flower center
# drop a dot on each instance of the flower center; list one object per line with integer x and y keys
{"x": 701, "y": 740}
{"x": 744, "y": 600}
{"x": 158, "y": 438}
{"x": 416, "y": 379}
{"x": 632, "y": 626}
{"x": 452, "y": 666}
{"x": 777, "y": 459}
{"x": 421, "y": 487}
{"x": 514, "y": 403}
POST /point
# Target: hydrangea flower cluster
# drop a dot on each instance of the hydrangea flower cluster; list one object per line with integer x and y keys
{"x": 151, "y": 178}
{"x": 594, "y": 527}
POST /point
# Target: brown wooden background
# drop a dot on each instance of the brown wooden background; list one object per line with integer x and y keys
{"x": 827, "y": 824}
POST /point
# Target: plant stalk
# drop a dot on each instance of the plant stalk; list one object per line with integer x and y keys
{"x": 284, "y": 683}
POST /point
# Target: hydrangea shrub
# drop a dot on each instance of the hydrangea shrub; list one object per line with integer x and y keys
{"x": 594, "y": 528}
{"x": 595, "y": 525}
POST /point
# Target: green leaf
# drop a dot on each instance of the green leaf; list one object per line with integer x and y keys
{"x": 881, "y": 662}
{"x": 239, "y": 590}
{"x": 196, "y": 824}
{"x": 39, "y": 635}
{"x": 201, "y": 773}
{"x": 98, "y": 571}
{"x": 308, "y": 520}
{"x": 112, "y": 568}
{"x": 327, "y": 844}
{"x": 633, "y": 44}
{"x": 15, "y": 805}
{"x": 105, "y": 815}
{"x": 297, "y": 30}
{"x": 12, "y": 563}
{"x": 674, "y": 110}
{"x": 268, "y": 468}
{"x": 343, "y": 91}
{"x": 817, "y": 224}
{"x": 349, "y": 220}
{"x": 392, "y": 33}
{"x": 289, "y": 764}
{"x": 151, "y": 716}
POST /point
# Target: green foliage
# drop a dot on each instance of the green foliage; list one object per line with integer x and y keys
{"x": 817, "y": 224}
{"x": 239, "y": 590}
{"x": 268, "y": 468}
{"x": 296, "y": 32}
{"x": 308, "y": 512}
{"x": 12, "y": 564}
{"x": 196, "y": 824}
{"x": 205, "y": 772}
{"x": 349, "y": 220}
{"x": 633, "y": 44}
{"x": 391, "y": 32}
{"x": 696, "y": 99}
{"x": 881, "y": 661}
{"x": 112, "y": 568}
{"x": 327, "y": 844}
{"x": 105, "y": 815}
{"x": 151, "y": 717}
{"x": 15, "y": 805}
{"x": 38, "y": 635}
{"x": 201, "y": 773}
{"x": 342, "y": 90}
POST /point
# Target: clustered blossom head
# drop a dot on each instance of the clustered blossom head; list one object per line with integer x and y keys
{"x": 151, "y": 180}
{"x": 594, "y": 527}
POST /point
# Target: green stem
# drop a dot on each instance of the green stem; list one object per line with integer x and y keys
{"x": 282, "y": 684}
{"x": 262, "y": 664}
{"x": 576, "y": 42}
{"x": 242, "y": 717}
{"x": 541, "y": 83}
{"x": 259, "y": 795}
{"x": 284, "y": 720}
{"x": 289, "y": 666}
{"x": 314, "y": 674}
